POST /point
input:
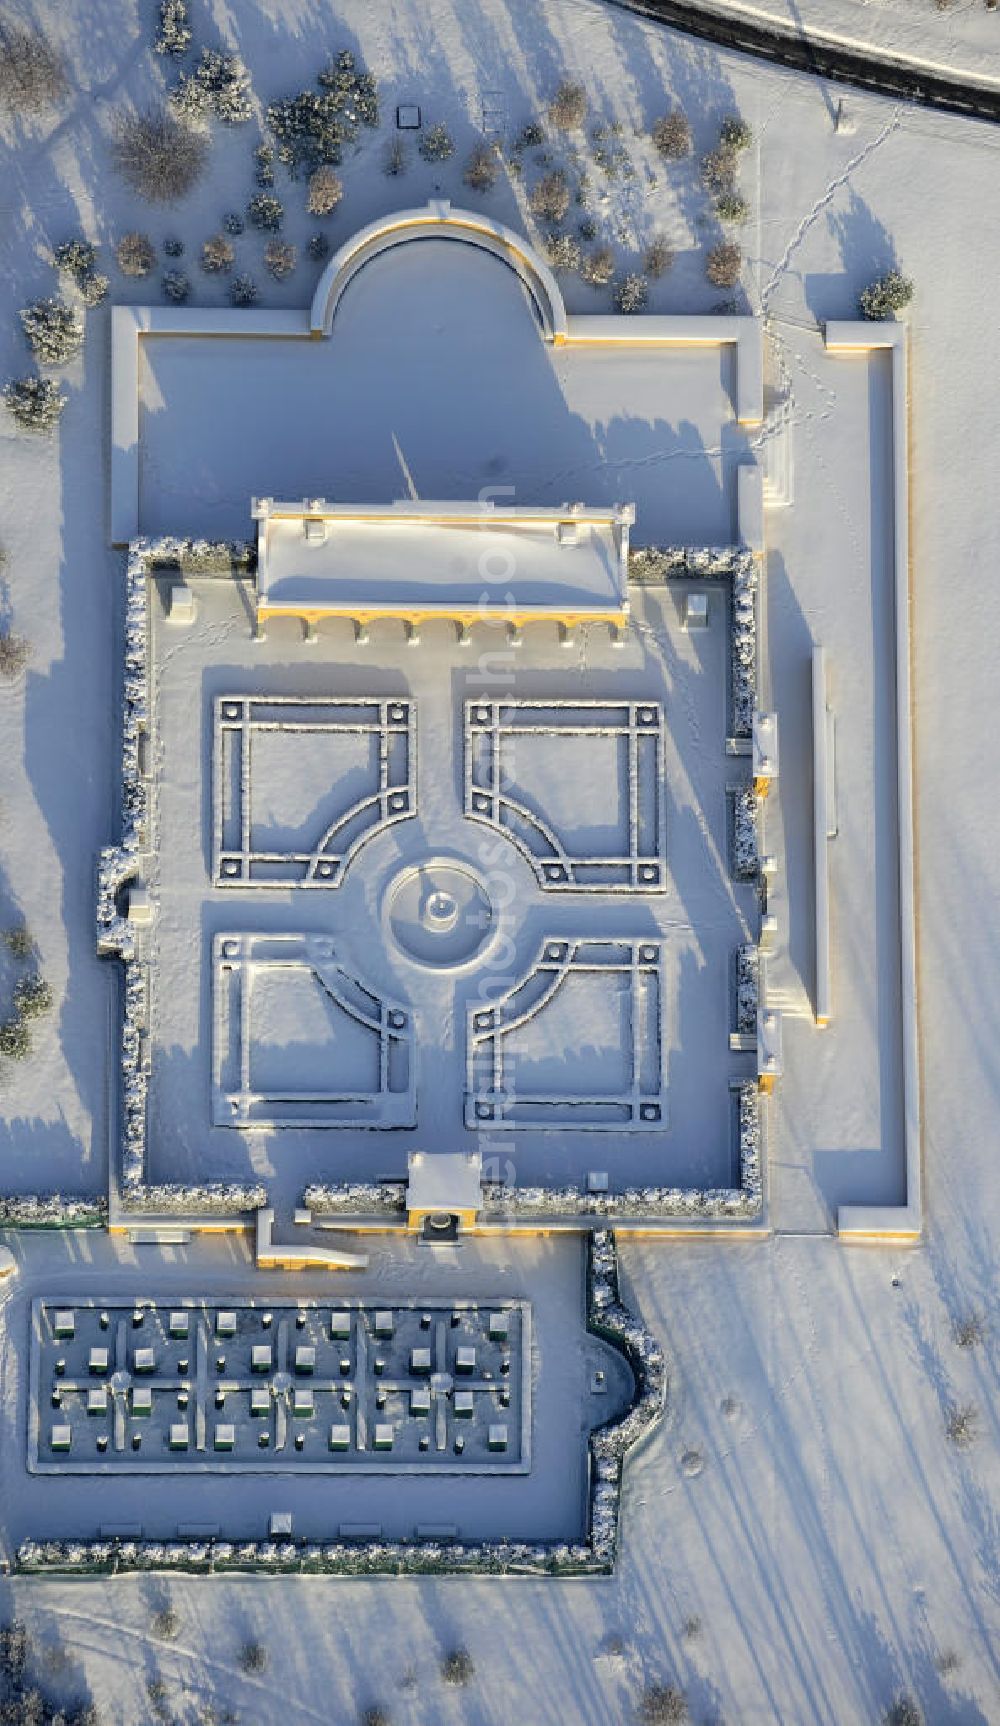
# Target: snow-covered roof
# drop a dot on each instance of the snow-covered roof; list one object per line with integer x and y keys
{"x": 467, "y": 560}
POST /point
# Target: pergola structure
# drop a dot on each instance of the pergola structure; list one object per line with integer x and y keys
{"x": 419, "y": 562}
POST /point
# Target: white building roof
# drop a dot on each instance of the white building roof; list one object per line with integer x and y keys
{"x": 426, "y": 559}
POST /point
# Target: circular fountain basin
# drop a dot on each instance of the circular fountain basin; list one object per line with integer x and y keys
{"x": 439, "y": 914}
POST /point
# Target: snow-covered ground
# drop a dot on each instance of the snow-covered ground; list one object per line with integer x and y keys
{"x": 801, "y": 1539}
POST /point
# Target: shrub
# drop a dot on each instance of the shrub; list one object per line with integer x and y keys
{"x": 671, "y": 136}
{"x": 135, "y": 254}
{"x": 658, "y": 258}
{"x": 732, "y": 207}
{"x": 437, "y": 144}
{"x": 325, "y": 192}
{"x": 458, "y": 1667}
{"x": 962, "y": 1424}
{"x": 722, "y": 266}
{"x": 969, "y": 1330}
{"x": 14, "y": 1649}
{"x": 35, "y": 403}
{"x": 253, "y": 1657}
{"x": 176, "y": 287}
{"x": 219, "y": 86}
{"x": 735, "y": 134}
{"x": 904, "y": 1712}
{"x": 15, "y": 651}
{"x": 166, "y": 1624}
{"x": 15, "y": 1039}
{"x": 562, "y": 251}
{"x": 663, "y": 1705}
{"x": 549, "y": 200}
{"x": 157, "y": 156}
{"x": 266, "y": 212}
{"x": 32, "y": 997}
{"x": 394, "y": 162}
{"x": 482, "y": 168}
{"x": 174, "y": 35}
{"x": 75, "y": 258}
{"x": 54, "y": 331}
{"x": 173, "y": 247}
{"x": 31, "y": 73}
{"x": 263, "y": 165}
{"x": 318, "y": 247}
{"x": 374, "y": 1715}
{"x": 587, "y": 229}
{"x": 598, "y": 267}
{"x": 631, "y": 293}
{"x": 217, "y": 255}
{"x": 243, "y": 291}
{"x": 884, "y": 297}
{"x": 19, "y": 941}
{"x": 279, "y": 259}
{"x": 568, "y": 107}
{"x": 531, "y": 136}
{"x": 233, "y": 223}
{"x": 312, "y": 129}
{"x": 718, "y": 169}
